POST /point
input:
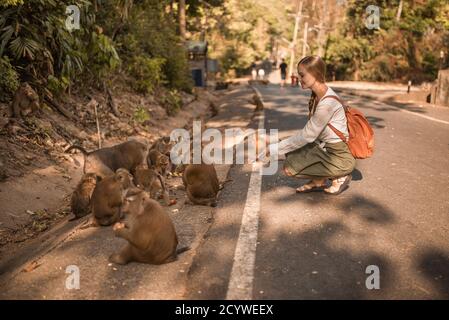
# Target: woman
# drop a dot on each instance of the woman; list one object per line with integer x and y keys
{"x": 316, "y": 152}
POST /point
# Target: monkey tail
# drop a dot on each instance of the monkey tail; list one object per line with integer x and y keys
{"x": 164, "y": 189}
{"x": 77, "y": 148}
{"x": 223, "y": 183}
{"x": 183, "y": 249}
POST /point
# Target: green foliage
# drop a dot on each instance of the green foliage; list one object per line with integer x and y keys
{"x": 103, "y": 56}
{"x": 147, "y": 73}
{"x": 6, "y": 3}
{"x": 172, "y": 102}
{"x": 407, "y": 49}
{"x": 40, "y": 47}
{"x": 141, "y": 115}
{"x": 9, "y": 79}
{"x": 57, "y": 86}
{"x": 147, "y": 21}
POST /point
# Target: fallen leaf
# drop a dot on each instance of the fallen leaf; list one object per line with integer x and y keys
{"x": 31, "y": 266}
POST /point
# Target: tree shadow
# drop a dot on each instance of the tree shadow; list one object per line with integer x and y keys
{"x": 315, "y": 269}
{"x": 434, "y": 264}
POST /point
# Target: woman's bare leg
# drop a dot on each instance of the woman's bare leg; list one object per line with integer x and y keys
{"x": 314, "y": 181}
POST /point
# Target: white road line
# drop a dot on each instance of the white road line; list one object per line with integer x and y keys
{"x": 406, "y": 111}
{"x": 424, "y": 116}
{"x": 242, "y": 274}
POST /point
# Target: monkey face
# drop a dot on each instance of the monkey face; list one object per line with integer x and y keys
{"x": 134, "y": 201}
{"x": 162, "y": 160}
{"x": 125, "y": 178}
{"x": 90, "y": 178}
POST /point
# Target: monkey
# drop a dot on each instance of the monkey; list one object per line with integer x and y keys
{"x": 104, "y": 162}
{"x": 148, "y": 229}
{"x": 201, "y": 184}
{"x": 108, "y": 195}
{"x": 152, "y": 181}
{"x": 25, "y": 101}
{"x": 163, "y": 145}
{"x": 81, "y": 197}
{"x": 159, "y": 162}
{"x": 257, "y": 102}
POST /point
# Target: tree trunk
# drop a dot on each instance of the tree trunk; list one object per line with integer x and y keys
{"x": 182, "y": 19}
{"x": 398, "y": 15}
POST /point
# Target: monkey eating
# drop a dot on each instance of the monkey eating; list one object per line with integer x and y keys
{"x": 81, "y": 197}
{"x": 108, "y": 195}
{"x": 104, "y": 162}
{"x": 148, "y": 229}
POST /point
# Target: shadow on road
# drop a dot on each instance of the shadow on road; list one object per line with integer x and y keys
{"x": 434, "y": 264}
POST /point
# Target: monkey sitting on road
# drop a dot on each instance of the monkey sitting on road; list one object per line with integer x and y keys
{"x": 108, "y": 195}
{"x": 104, "y": 162}
{"x": 152, "y": 181}
{"x": 201, "y": 184}
{"x": 81, "y": 197}
{"x": 148, "y": 229}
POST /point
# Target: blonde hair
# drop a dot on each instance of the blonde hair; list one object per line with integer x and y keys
{"x": 316, "y": 67}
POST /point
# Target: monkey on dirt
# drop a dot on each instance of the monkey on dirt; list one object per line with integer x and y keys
{"x": 105, "y": 161}
{"x": 25, "y": 101}
{"x": 81, "y": 197}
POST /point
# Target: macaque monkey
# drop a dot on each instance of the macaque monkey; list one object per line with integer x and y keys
{"x": 257, "y": 102}
{"x": 201, "y": 184}
{"x": 148, "y": 229}
{"x": 159, "y": 162}
{"x": 163, "y": 145}
{"x": 152, "y": 181}
{"x": 81, "y": 197}
{"x": 104, "y": 162}
{"x": 25, "y": 101}
{"x": 108, "y": 196}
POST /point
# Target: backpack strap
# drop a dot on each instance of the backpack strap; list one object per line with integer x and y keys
{"x": 337, "y": 132}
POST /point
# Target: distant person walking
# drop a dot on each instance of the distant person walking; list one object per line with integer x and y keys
{"x": 253, "y": 71}
{"x": 261, "y": 74}
{"x": 283, "y": 67}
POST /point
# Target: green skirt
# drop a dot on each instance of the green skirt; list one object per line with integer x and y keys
{"x": 312, "y": 160}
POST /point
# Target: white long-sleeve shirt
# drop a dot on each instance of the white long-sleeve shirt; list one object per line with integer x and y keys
{"x": 327, "y": 111}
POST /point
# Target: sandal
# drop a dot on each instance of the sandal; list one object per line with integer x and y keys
{"x": 342, "y": 187}
{"x": 311, "y": 189}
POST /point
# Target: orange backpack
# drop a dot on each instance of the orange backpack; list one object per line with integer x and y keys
{"x": 361, "y": 135}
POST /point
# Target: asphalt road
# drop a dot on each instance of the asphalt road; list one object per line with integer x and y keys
{"x": 394, "y": 216}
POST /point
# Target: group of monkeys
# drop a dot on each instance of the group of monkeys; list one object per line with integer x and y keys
{"x": 124, "y": 181}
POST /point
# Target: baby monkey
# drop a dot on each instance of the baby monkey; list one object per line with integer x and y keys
{"x": 148, "y": 229}
{"x": 159, "y": 162}
{"x": 81, "y": 197}
{"x": 152, "y": 181}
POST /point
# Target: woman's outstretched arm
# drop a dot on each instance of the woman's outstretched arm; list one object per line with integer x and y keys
{"x": 310, "y": 132}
